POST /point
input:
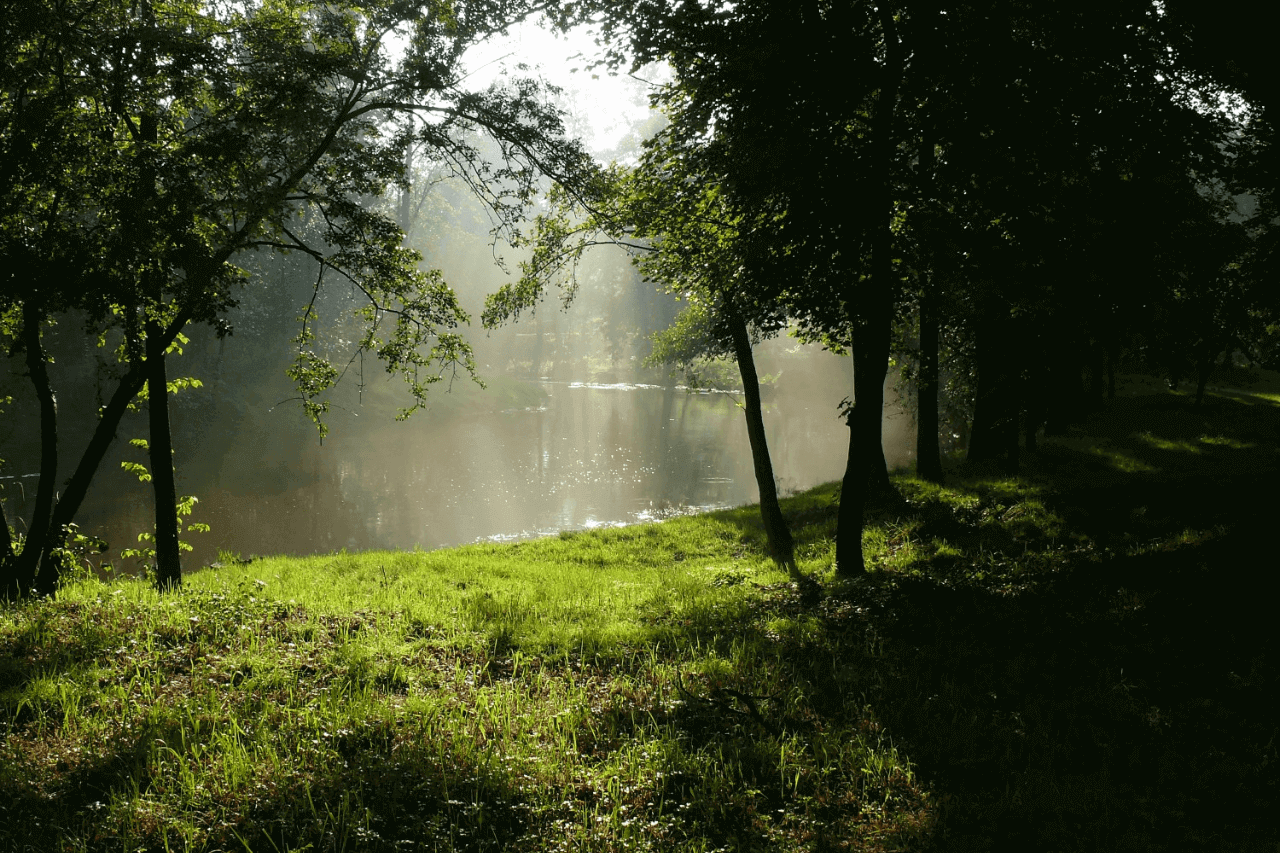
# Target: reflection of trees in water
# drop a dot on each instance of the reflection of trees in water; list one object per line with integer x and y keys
{"x": 446, "y": 479}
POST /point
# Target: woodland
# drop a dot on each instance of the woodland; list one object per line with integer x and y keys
{"x": 1056, "y": 221}
{"x": 1017, "y": 197}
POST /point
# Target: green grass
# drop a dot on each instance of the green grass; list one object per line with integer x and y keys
{"x": 1078, "y": 658}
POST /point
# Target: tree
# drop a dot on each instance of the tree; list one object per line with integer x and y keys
{"x": 210, "y": 131}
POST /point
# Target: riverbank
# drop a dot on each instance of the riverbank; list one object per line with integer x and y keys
{"x": 1080, "y": 658}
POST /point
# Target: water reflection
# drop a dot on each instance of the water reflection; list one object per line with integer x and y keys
{"x": 587, "y": 456}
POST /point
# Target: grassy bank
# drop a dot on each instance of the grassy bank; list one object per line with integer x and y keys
{"x": 1080, "y": 658}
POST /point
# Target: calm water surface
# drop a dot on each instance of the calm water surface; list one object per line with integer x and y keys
{"x": 588, "y": 456}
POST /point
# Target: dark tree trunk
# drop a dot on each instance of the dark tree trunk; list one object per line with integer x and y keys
{"x": 928, "y": 456}
{"x": 865, "y": 468}
{"x": 870, "y": 369}
{"x": 878, "y": 484}
{"x": 28, "y": 570}
{"x": 853, "y": 500}
{"x": 168, "y": 562}
{"x": 777, "y": 533}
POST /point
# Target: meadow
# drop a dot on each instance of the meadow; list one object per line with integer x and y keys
{"x": 1082, "y": 657}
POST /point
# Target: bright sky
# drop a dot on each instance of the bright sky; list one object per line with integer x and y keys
{"x": 604, "y": 107}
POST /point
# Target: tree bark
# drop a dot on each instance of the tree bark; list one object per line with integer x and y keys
{"x": 777, "y": 534}
{"x": 865, "y": 468}
{"x": 168, "y": 560}
{"x": 28, "y": 574}
{"x": 853, "y": 501}
{"x": 878, "y": 484}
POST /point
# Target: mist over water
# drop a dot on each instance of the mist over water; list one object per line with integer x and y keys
{"x": 576, "y": 455}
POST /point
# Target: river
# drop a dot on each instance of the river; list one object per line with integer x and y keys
{"x": 581, "y": 456}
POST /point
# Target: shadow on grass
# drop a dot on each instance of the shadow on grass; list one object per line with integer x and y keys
{"x": 1123, "y": 707}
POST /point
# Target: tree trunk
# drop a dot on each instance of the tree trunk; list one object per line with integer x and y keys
{"x": 168, "y": 562}
{"x": 865, "y": 468}
{"x": 853, "y": 500}
{"x": 1204, "y": 369}
{"x": 878, "y": 484}
{"x": 1011, "y": 431}
{"x": 29, "y": 564}
{"x": 777, "y": 533}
